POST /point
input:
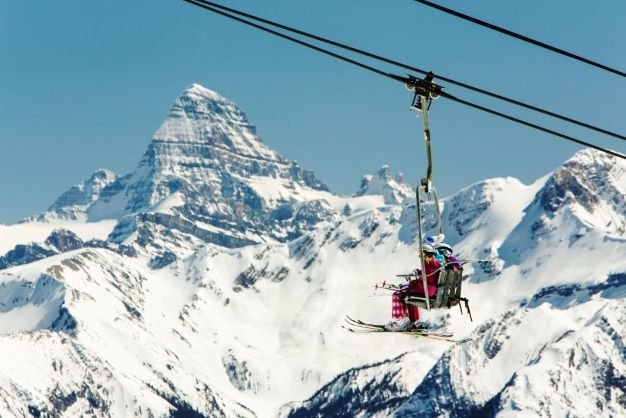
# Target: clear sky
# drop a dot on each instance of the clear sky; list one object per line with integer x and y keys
{"x": 84, "y": 85}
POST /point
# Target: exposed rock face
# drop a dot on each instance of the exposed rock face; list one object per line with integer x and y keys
{"x": 588, "y": 192}
{"x": 373, "y": 390}
{"x": 24, "y": 254}
{"x": 464, "y": 208}
{"x": 394, "y": 191}
{"x": 72, "y": 204}
{"x": 565, "y": 188}
{"x": 593, "y": 184}
{"x": 64, "y": 240}
{"x": 207, "y": 165}
{"x": 59, "y": 241}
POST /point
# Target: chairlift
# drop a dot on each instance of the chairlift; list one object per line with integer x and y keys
{"x": 449, "y": 282}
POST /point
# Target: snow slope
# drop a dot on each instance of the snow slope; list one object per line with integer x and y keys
{"x": 550, "y": 320}
{"x": 36, "y": 231}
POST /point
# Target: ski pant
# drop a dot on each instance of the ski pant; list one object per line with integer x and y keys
{"x": 400, "y": 310}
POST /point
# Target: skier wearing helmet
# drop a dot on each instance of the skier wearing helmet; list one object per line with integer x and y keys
{"x": 450, "y": 261}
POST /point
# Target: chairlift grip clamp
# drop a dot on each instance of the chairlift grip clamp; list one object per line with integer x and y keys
{"x": 423, "y": 87}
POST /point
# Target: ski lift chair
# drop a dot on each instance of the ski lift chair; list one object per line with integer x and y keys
{"x": 449, "y": 281}
{"x": 448, "y": 292}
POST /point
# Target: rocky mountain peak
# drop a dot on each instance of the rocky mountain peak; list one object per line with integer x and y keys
{"x": 73, "y": 203}
{"x": 382, "y": 183}
{"x": 206, "y": 164}
{"x": 592, "y": 185}
{"x": 586, "y": 193}
{"x": 202, "y": 116}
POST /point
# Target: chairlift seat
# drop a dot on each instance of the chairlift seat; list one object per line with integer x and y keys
{"x": 448, "y": 291}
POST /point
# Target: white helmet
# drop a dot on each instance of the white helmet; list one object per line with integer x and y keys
{"x": 428, "y": 248}
{"x": 444, "y": 248}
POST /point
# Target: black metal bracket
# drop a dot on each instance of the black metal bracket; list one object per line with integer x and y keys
{"x": 466, "y": 302}
{"x": 422, "y": 88}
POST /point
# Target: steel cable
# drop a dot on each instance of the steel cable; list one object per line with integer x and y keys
{"x": 208, "y": 6}
{"x": 212, "y": 6}
{"x": 521, "y": 37}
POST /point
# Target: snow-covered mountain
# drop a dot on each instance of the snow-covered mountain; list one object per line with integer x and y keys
{"x": 213, "y": 281}
{"x": 551, "y": 322}
{"x": 393, "y": 190}
{"x": 207, "y": 175}
{"x": 74, "y": 203}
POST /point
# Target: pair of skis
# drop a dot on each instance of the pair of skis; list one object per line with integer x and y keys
{"x": 359, "y": 327}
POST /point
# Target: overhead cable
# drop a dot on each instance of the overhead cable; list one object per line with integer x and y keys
{"x": 206, "y": 6}
{"x": 532, "y": 125}
{"x": 521, "y": 37}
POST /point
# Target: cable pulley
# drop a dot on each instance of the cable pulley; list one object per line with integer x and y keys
{"x": 423, "y": 87}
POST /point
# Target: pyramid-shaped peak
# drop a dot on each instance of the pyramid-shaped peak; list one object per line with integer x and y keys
{"x": 198, "y": 103}
{"x": 204, "y": 117}
{"x": 200, "y": 93}
{"x": 206, "y": 163}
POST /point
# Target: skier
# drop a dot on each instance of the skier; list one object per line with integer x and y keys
{"x": 404, "y": 316}
{"x": 450, "y": 261}
{"x": 435, "y": 241}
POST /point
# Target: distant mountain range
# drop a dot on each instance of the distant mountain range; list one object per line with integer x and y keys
{"x": 213, "y": 281}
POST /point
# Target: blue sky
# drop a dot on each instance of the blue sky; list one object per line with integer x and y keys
{"x": 84, "y": 85}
